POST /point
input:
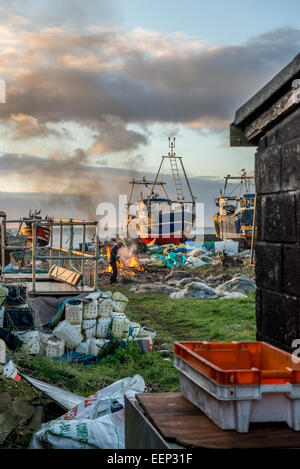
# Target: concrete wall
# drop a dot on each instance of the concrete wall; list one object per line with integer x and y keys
{"x": 277, "y": 169}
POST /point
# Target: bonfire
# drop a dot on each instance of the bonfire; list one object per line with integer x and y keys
{"x": 128, "y": 263}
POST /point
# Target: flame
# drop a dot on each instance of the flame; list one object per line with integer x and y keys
{"x": 125, "y": 263}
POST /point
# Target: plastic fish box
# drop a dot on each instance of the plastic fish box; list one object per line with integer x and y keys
{"x": 271, "y": 394}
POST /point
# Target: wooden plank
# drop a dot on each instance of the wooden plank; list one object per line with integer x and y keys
{"x": 277, "y": 110}
{"x": 180, "y": 421}
{"x": 27, "y": 276}
{"x": 64, "y": 275}
{"x": 56, "y": 288}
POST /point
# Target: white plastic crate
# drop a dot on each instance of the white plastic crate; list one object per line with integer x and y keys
{"x": 90, "y": 310}
{"x": 69, "y": 334}
{"x": 105, "y": 307}
{"x": 88, "y": 328}
{"x": 73, "y": 313}
{"x": 103, "y": 325}
{"x": 234, "y": 407}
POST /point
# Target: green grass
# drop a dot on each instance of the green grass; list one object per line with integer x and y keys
{"x": 185, "y": 319}
{"x": 193, "y": 319}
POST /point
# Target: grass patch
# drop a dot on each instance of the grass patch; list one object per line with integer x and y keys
{"x": 194, "y": 319}
{"x": 159, "y": 374}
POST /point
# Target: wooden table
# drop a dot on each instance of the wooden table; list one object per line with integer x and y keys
{"x": 168, "y": 420}
{"x": 57, "y": 288}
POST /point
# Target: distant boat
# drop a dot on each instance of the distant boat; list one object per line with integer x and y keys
{"x": 234, "y": 219}
{"x": 43, "y": 234}
{"x": 159, "y": 219}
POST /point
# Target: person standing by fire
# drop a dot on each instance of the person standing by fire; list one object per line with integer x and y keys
{"x": 113, "y": 262}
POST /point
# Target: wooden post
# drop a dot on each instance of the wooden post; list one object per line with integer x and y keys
{"x": 96, "y": 260}
{"x": 83, "y": 250}
{"x": 33, "y": 227}
{"x": 3, "y": 241}
{"x": 253, "y": 233}
{"x": 51, "y": 245}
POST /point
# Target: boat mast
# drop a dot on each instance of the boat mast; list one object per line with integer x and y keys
{"x": 175, "y": 174}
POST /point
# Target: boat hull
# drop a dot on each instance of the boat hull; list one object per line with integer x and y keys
{"x": 168, "y": 228}
{"x": 42, "y": 235}
{"x": 230, "y": 227}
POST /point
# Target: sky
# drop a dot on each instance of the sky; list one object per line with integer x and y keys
{"x": 94, "y": 90}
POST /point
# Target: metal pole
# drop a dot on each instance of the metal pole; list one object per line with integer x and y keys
{"x": 83, "y": 250}
{"x": 60, "y": 238}
{"x": 96, "y": 261}
{"x": 253, "y": 232}
{"x": 187, "y": 181}
{"x": 2, "y": 248}
{"x": 51, "y": 245}
{"x": 156, "y": 177}
{"x": 33, "y": 227}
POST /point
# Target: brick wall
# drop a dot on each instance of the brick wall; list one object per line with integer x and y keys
{"x": 277, "y": 169}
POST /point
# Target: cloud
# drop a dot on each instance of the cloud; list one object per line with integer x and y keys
{"x": 113, "y": 136}
{"x": 28, "y": 127}
{"x": 107, "y": 77}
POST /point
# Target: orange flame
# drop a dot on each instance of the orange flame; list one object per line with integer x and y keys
{"x": 125, "y": 264}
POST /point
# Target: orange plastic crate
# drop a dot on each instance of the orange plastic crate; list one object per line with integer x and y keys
{"x": 238, "y": 363}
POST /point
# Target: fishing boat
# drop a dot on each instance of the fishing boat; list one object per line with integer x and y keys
{"x": 158, "y": 218}
{"x": 42, "y": 232}
{"x": 234, "y": 219}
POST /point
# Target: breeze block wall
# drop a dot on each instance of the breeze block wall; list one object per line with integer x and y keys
{"x": 277, "y": 170}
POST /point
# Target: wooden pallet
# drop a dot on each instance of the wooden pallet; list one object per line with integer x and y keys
{"x": 64, "y": 275}
{"x": 179, "y": 421}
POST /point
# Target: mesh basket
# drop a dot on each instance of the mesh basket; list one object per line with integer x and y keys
{"x": 30, "y": 341}
{"x": 120, "y": 325}
{"x": 120, "y": 302}
{"x": 69, "y": 334}
{"x": 88, "y": 328}
{"x": 134, "y": 329}
{"x": 145, "y": 332}
{"x": 77, "y": 327}
{"x": 44, "y": 337}
{"x": 90, "y": 310}
{"x": 73, "y": 313}
{"x": 2, "y": 352}
{"x": 3, "y": 294}
{"x": 84, "y": 347}
{"x": 103, "y": 325}
{"x": 105, "y": 307}
{"x": 97, "y": 345}
{"x": 55, "y": 347}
